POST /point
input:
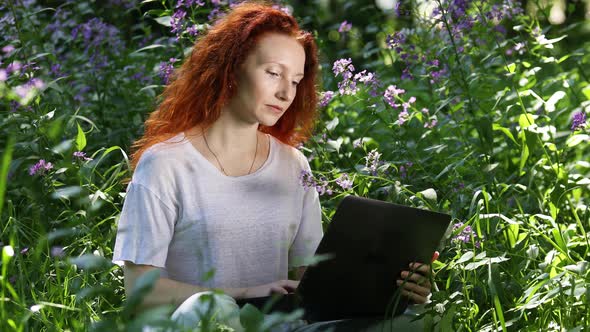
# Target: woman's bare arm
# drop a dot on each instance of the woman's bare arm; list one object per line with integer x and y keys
{"x": 299, "y": 272}
{"x": 165, "y": 290}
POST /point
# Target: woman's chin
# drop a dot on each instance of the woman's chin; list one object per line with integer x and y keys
{"x": 267, "y": 122}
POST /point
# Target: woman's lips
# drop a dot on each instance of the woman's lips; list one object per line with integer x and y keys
{"x": 275, "y": 108}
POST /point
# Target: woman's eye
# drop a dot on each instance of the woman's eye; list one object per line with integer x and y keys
{"x": 273, "y": 74}
{"x": 295, "y": 83}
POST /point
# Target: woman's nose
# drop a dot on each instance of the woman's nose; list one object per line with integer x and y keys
{"x": 285, "y": 91}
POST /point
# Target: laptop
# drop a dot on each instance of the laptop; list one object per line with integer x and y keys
{"x": 369, "y": 243}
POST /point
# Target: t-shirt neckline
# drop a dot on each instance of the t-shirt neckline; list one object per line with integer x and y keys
{"x": 218, "y": 173}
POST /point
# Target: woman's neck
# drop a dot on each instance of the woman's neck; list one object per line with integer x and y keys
{"x": 231, "y": 136}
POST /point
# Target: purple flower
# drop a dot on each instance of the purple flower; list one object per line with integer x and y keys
{"x": 578, "y": 121}
{"x": 166, "y": 69}
{"x": 466, "y": 235}
{"x": 176, "y": 21}
{"x": 357, "y": 143}
{"x": 372, "y": 161}
{"x": 95, "y": 32}
{"x": 24, "y": 250}
{"x": 345, "y": 27}
{"x": 3, "y": 75}
{"x": 189, "y": 3}
{"x": 397, "y": 40}
{"x": 322, "y": 188}
{"x": 326, "y": 97}
{"x": 403, "y": 116}
{"x": 55, "y": 70}
{"x": 307, "y": 181}
{"x": 520, "y": 48}
{"x": 7, "y": 49}
{"x": 391, "y": 93}
{"x": 430, "y": 124}
{"x": 24, "y": 90}
{"x": 125, "y": 3}
{"x": 13, "y": 67}
{"x": 370, "y": 80}
{"x": 193, "y": 30}
{"x": 342, "y": 65}
{"x": 347, "y": 87}
{"x": 344, "y": 182}
{"x": 79, "y": 97}
{"x": 406, "y": 75}
{"x": 81, "y": 156}
{"x": 215, "y": 13}
{"x": 403, "y": 169}
{"x": 40, "y": 168}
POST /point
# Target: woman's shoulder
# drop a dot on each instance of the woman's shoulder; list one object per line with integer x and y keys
{"x": 161, "y": 158}
{"x": 173, "y": 147}
{"x": 291, "y": 153}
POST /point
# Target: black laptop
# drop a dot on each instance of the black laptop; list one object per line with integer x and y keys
{"x": 370, "y": 242}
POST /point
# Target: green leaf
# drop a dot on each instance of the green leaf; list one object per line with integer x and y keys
{"x": 250, "y": 317}
{"x": 80, "y": 139}
{"x": 37, "y": 56}
{"x": 559, "y": 240}
{"x": 577, "y": 139}
{"x": 310, "y": 260}
{"x": 164, "y": 20}
{"x": 446, "y": 322}
{"x": 90, "y": 262}
{"x": 505, "y": 130}
{"x": 334, "y": 145}
{"x": 141, "y": 287}
{"x": 332, "y": 124}
{"x": 494, "y": 293}
{"x": 556, "y": 97}
{"x": 466, "y": 257}
{"x": 524, "y": 155}
{"x": 526, "y": 120}
{"x": 512, "y": 234}
{"x": 428, "y": 194}
{"x": 511, "y": 67}
{"x": 149, "y": 47}
{"x": 4, "y": 166}
{"x": 551, "y": 41}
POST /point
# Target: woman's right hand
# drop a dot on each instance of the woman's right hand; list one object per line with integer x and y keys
{"x": 281, "y": 287}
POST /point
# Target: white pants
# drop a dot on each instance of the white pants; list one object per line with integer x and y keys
{"x": 225, "y": 310}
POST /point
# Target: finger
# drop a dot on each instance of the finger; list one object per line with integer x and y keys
{"x": 415, "y": 278}
{"x": 278, "y": 289}
{"x": 290, "y": 284}
{"x": 410, "y": 286}
{"x": 416, "y": 298}
{"x": 421, "y": 268}
{"x": 435, "y": 256}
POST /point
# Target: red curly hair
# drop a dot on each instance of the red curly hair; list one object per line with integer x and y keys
{"x": 206, "y": 80}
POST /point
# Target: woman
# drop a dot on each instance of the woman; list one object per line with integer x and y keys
{"x": 215, "y": 199}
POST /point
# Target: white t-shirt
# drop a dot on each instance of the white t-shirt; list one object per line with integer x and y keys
{"x": 183, "y": 215}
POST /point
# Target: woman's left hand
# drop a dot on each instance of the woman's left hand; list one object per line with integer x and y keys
{"x": 415, "y": 282}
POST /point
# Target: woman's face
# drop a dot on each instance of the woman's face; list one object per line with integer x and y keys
{"x": 267, "y": 81}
